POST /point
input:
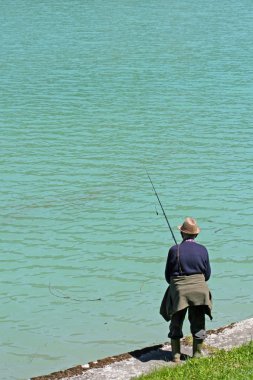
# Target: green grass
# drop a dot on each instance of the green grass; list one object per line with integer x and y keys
{"x": 236, "y": 364}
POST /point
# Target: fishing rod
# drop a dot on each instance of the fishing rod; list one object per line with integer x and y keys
{"x": 162, "y": 208}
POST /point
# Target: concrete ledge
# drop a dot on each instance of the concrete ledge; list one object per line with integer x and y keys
{"x": 131, "y": 364}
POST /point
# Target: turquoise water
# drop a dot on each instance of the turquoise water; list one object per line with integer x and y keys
{"x": 92, "y": 93}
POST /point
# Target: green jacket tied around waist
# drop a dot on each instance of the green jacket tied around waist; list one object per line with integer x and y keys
{"x": 185, "y": 291}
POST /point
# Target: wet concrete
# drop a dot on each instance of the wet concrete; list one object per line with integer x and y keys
{"x": 132, "y": 364}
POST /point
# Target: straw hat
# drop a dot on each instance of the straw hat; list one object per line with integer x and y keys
{"x": 189, "y": 227}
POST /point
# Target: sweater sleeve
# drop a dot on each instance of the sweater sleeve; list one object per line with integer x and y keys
{"x": 207, "y": 273}
{"x": 167, "y": 269}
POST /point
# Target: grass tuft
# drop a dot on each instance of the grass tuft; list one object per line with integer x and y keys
{"x": 236, "y": 364}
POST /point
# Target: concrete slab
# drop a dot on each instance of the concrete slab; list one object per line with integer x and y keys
{"x": 132, "y": 364}
{"x": 231, "y": 336}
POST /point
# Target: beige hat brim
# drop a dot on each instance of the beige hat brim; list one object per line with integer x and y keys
{"x": 188, "y": 232}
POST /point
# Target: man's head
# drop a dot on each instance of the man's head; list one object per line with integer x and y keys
{"x": 189, "y": 229}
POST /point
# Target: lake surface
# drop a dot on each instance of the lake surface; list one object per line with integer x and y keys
{"x": 93, "y": 93}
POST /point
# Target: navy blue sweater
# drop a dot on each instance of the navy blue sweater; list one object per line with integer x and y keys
{"x": 193, "y": 260}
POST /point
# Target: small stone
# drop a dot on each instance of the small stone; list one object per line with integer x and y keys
{"x": 86, "y": 366}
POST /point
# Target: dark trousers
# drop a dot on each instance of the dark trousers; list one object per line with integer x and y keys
{"x": 196, "y": 316}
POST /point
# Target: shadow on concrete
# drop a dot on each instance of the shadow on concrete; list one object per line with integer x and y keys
{"x": 155, "y": 353}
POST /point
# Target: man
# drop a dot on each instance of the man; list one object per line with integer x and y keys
{"x": 187, "y": 270}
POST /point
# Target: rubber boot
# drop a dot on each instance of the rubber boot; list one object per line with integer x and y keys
{"x": 175, "y": 347}
{"x": 197, "y": 348}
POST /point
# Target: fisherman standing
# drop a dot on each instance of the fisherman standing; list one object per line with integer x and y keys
{"x": 187, "y": 270}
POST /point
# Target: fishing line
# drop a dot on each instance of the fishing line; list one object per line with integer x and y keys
{"x": 64, "y": 296}
{"x": 162, "y": 207}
